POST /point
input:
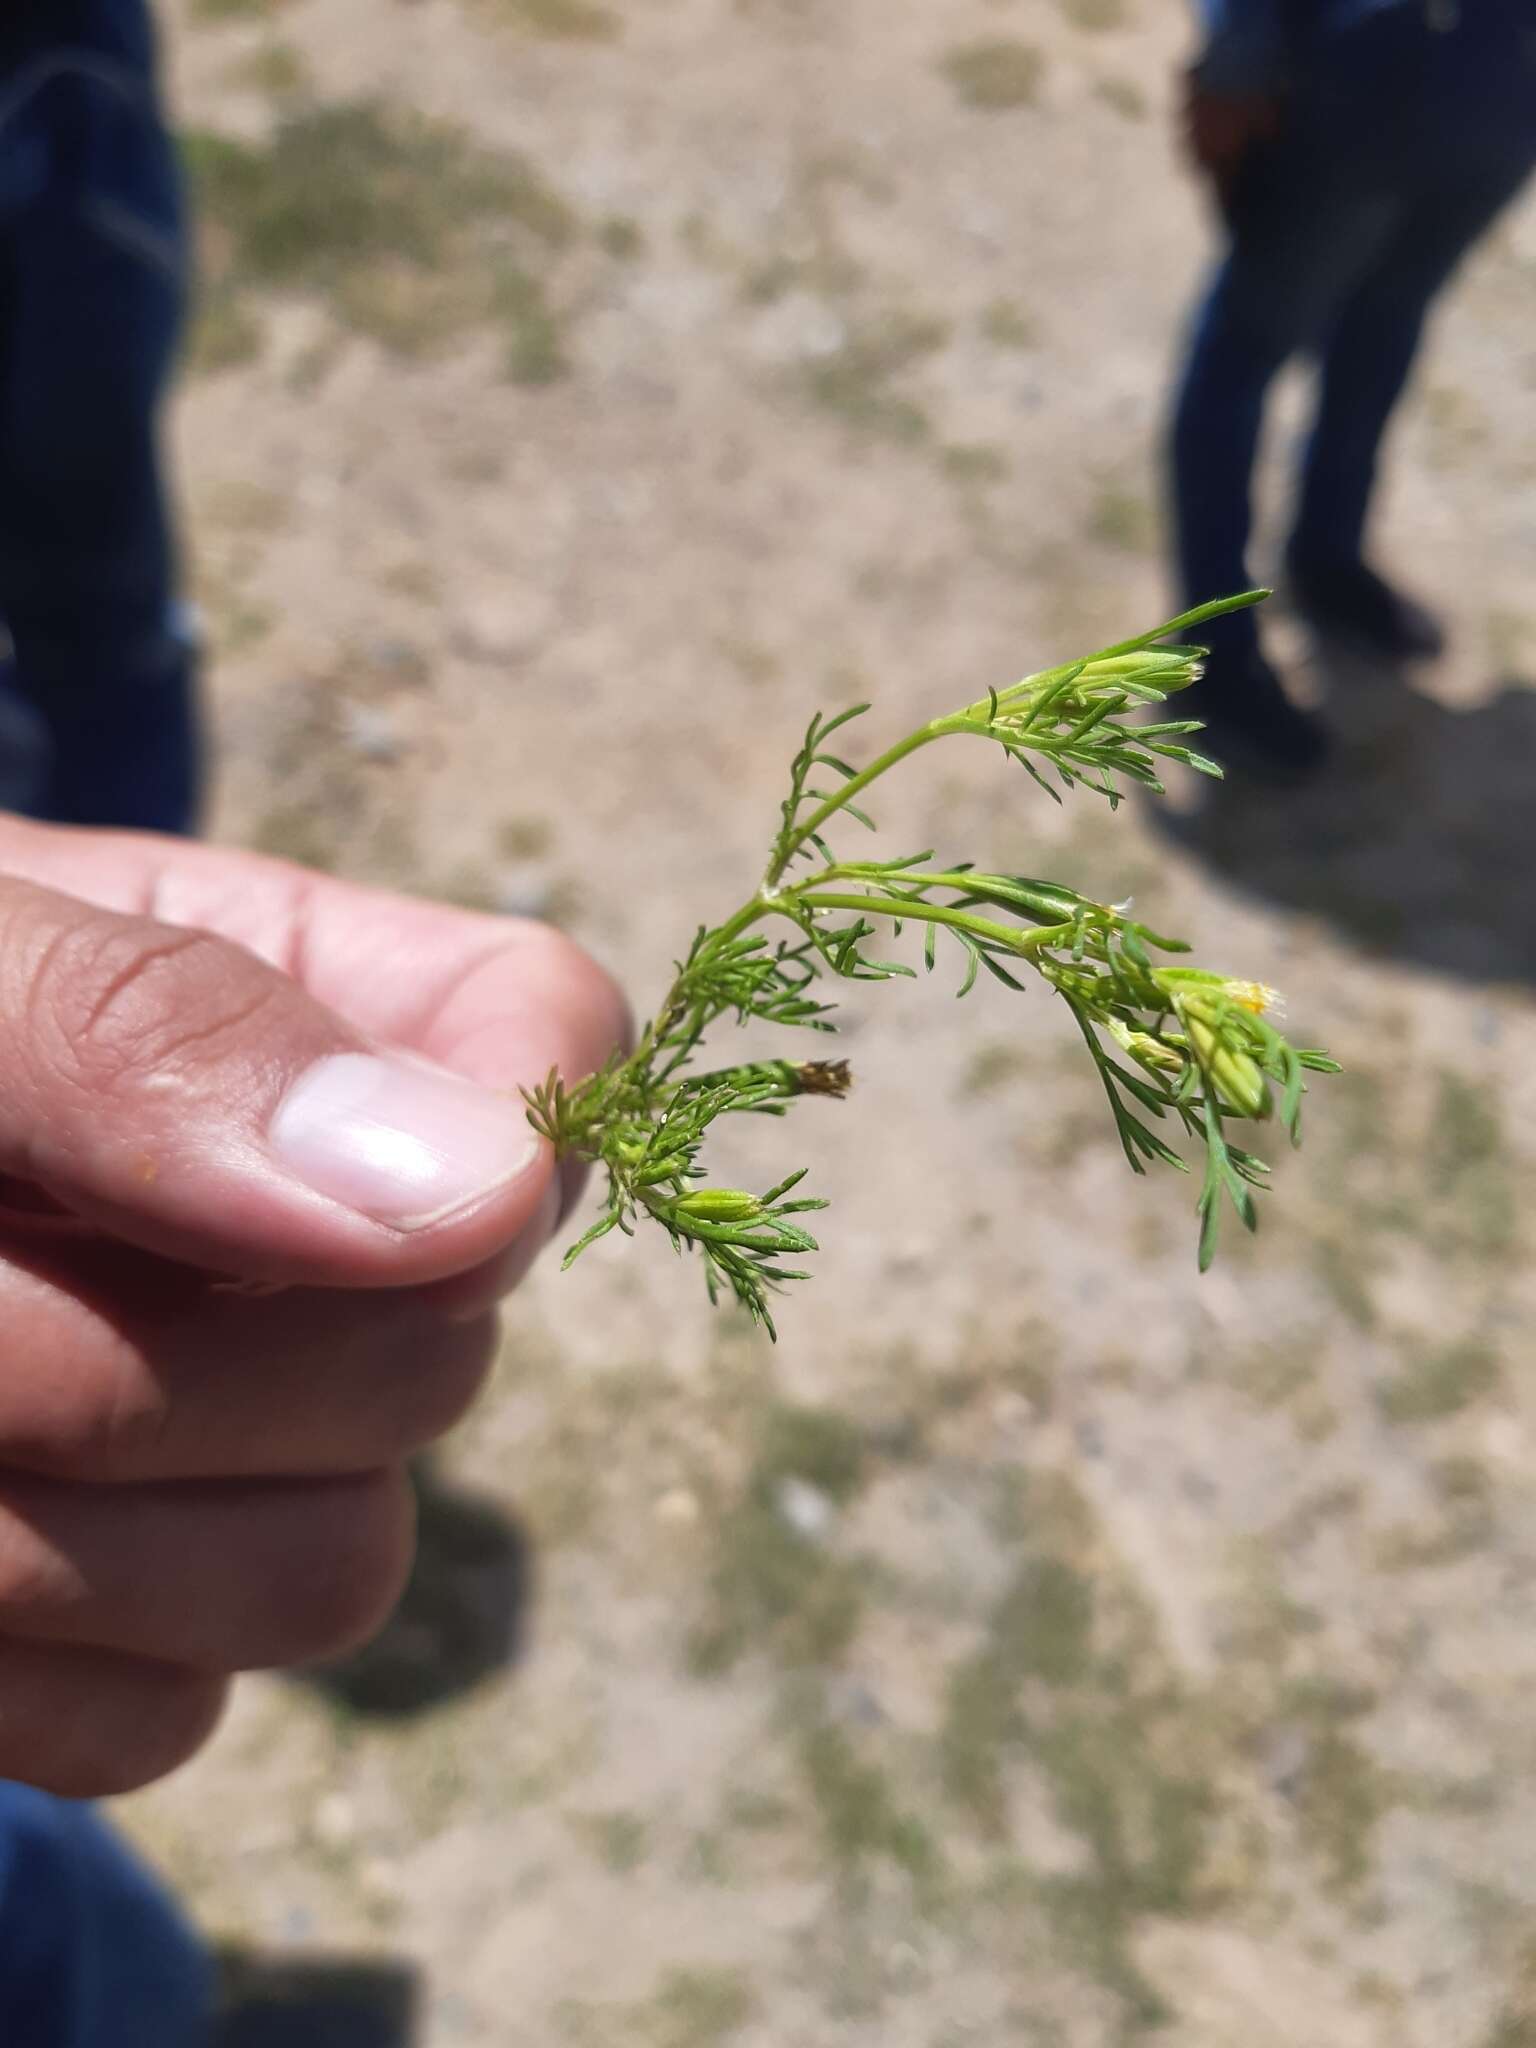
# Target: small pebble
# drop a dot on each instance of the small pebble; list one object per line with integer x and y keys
{"x": 335, "y": 1821}
{"x": 678, "y": 1508}
{"x": 370, "y": 733}
{"x": 401, "y": 658}
{"x": 805, "y": 1508}
{"x": 507, "y": 626}
{"x": 524, "y": 889}
{"x": 379, "y": 1877}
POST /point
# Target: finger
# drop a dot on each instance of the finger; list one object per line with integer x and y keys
{"x": 502, "y": 999}
{"x": 88, "y": 1724}
{"x": 155, "y": 1374}
{"x": 476, "y": 1293}
{"x": 196, "y": 1102}
{"x": 225, "y": 1577}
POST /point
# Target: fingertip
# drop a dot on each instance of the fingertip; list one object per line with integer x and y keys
{"x": 95, "y": 1724}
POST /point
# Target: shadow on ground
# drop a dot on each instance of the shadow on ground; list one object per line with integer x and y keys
{"x": 1418, "y": 839}
{"x": 320, "y": 2002}
{"x": 462, "y": 1617}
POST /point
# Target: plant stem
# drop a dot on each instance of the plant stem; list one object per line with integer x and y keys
{"x": 851, "y": 789}
{"x": 1006, "y": 935}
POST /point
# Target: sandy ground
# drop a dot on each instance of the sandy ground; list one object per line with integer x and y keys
{"x": 1043, "y": 1645}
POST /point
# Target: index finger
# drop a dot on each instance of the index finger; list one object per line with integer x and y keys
{"x": 501, "y": 1000}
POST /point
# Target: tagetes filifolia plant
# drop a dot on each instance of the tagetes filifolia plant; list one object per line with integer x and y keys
{"x": 1174, "y": 1045}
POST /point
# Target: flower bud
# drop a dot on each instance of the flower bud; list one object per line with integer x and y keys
{"x": 719, "y": 1205}
{"x": 1147, "y": 1051}
{"x": 823, "y": 1077}
{"x": 1230, "y": 1068}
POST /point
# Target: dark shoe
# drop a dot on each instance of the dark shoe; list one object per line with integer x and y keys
{"x": 315, "y": 2002}
{"x": 1350, "y": 602}
{"x": 1251, "y": 727}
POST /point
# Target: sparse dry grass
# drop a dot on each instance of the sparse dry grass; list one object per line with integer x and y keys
{"x": 690, "y": 2008}
{"x": 404, "y": 228}
{"x": 1440, "y": 1380}
{"x": 277, "y": 70}
{"x": 1123, "y": 519}
{"x": 996, "y": 75}
{"x": 860, "y": 383}
{"x": 1005, "y": 324}
{"x": 578, "y": 21}
{"x": 1124, "y": 95}
{"x": 1094, "y": 17}
{"x": 218, "y": 11}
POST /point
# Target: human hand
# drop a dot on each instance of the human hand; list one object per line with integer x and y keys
{"x": 1221, "y": 129}
{"x": 263, "y": 1177}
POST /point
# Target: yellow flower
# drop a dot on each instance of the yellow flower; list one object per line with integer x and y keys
{"x": 1256, "y": 996}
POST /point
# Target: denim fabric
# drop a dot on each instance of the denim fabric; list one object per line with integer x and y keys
{"x": 1260, "y": 46}
{"x": 92, "y": 292}
{"x": 1394, "y": 158}
{"x": 1250, "y": 44}
{"x": 96, "y": 726}
{"x": 92, "y": 1952}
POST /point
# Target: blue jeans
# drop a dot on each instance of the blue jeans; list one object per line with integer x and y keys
{"x": 1399, "y": 146}
{"x": 92, "y": 292}
{"x": 92, "y": 1953}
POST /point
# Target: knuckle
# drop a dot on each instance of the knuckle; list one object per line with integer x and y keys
{"x": 118, "y": 999}
{"x": 108, "y": 1421}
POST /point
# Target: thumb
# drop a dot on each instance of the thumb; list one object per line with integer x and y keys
{"x": 178, "y": 1092}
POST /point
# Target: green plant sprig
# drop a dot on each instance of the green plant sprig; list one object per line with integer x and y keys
{"x": 1172, "y": 1044}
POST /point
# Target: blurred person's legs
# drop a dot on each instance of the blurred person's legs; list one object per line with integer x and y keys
{"x": 92, "y": 1952}
{"x": 97, "y": 725}
{"x": 1272, "y": 293}
{"x": 1308, "y": 218}
{"x": 91, "y": 303}
{"x": 1398, "y": 150}
{"x": 1367, "y": 360}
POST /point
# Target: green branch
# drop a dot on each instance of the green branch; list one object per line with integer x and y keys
{"x": 1178, "y": 1046}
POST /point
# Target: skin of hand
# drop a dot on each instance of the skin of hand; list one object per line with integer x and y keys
{"x": 1222, "y": 129}
{"x": 264, "y": 1175}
